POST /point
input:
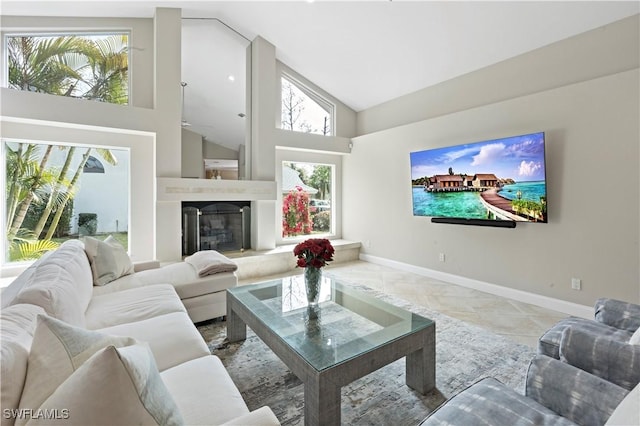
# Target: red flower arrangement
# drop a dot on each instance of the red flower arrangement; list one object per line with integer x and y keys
{"x": 314, "y": 252}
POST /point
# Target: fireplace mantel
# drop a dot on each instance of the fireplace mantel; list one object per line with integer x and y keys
{"x": 186, "y": 189}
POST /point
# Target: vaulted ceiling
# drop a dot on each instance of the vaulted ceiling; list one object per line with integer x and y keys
{"x": 361, "y": 52}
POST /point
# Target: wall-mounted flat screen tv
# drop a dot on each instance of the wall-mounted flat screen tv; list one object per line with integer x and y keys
{"x": 500, "y": 179}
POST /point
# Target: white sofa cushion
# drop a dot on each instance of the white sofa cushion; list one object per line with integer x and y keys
{"x": 109, "y": 260}
{"x": 172, "y": 337}
{"x": 185, "y": 279}
{"x": 263, "y": 416}
{"x": 628, "y": 412}
{"x": 123, "y": 283}
{"x": 132, "y": 305}
{"x": 8, "y": 295}
{"x": 17, "y": 325}
{"x": 204, "y": 392}
{"x": 61, "y": 284}
{"x": 181, "y": 275}
{"x": 116, "y": 386}
{"x": 57, "y": 350}
{"x": 206, "y": 285}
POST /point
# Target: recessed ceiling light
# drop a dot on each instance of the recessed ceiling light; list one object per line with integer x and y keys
{"x": 231, "y": 77}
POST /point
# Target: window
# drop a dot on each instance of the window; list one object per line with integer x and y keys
{"x": 50, "y": 198}
{"x": 93, "y": 165}
{"x": 304, "y": 110}
{"x": 307, "y": 191}
{"x": 87, "y": 66}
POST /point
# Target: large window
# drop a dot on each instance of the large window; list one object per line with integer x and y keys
{"x": 87, "y": 66}
{"x": 304, "y": 110}
{"x": 307, "y": 190}
{"x": 51, "y": 196}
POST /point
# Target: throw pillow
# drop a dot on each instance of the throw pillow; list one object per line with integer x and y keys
{"x": 116, "y": 386}
{"x": 635, "y": 338}
{"x": 109, "y": 260}
{"x": 62, "y": 284}
{"x": 57, "y": 350}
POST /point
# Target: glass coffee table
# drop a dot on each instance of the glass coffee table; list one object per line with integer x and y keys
{"x": 348, "y": 335}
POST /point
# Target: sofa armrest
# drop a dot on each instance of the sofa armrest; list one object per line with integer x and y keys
{"x": 145, "y": 265}
{"x": 618, "y": 314}
{"x": 263, "y": 416}
{"x": 613, "y": 360}
{"x": 572, "y": 393}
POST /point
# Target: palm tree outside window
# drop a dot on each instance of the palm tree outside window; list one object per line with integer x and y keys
{"x": 48, "y": 188}
{"x": 85, "y": 66}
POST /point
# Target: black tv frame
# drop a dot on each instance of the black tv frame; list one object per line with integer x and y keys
{"x": 476, "y": 222}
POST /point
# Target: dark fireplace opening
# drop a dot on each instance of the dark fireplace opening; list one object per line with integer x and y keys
{"x": 215, "y": 225}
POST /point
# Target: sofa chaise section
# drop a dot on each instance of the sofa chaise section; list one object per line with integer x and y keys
{"x": 204, "y": 297}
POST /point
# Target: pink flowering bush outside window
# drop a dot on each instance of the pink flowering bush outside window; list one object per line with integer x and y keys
{"x": 296, "y": 219}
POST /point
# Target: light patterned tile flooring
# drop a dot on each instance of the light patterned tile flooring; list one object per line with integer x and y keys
{"x": 521, "y": 322}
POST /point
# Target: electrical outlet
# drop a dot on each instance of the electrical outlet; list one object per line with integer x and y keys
{"x": 441, "y": 257}
{"x": 576, "y": 284}
{"x": 367, "y": 243}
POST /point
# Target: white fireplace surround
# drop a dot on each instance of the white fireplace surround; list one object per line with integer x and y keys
{"x": 187, "y": 189}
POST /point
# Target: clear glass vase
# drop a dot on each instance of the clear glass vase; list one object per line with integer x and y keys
{"x": 312, "y": 281}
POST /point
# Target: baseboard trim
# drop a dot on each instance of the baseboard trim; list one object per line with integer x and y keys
{"x": 563, "y": 306}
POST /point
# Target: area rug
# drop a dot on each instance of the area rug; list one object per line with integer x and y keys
{"x": 464, "y": 354}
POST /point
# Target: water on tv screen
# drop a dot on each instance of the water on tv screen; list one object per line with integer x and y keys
{"x": 500, "y": 179}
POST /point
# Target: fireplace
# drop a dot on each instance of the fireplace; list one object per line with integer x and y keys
{"x": 215, "y": 225}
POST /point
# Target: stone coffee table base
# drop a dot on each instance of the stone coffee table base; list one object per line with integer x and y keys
{"x": 322, "y": 388}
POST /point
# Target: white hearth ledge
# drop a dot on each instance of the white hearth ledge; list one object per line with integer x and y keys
{"x": 191, "y": 189}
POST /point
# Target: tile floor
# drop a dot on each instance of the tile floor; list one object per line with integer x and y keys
{"x": 515, "y": 320}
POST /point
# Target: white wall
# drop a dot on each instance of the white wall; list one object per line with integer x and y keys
{"x": 192, "y": 159}
{"x": 597, "y": 53}
{"x": 106, "y": 194}
{"x": 593, "y": 135}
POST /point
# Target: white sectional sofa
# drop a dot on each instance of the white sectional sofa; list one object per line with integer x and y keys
{"x": 194, "y": 389}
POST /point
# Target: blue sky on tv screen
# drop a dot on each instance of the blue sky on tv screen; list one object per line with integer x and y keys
{"x": 520, "y": 158}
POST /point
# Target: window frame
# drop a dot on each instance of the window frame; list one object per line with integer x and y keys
{"x": 9, "y": 267}
{"x": 322, "y": 101}
{"x": 4, "y": 71}
{"x": 332, "y": 233}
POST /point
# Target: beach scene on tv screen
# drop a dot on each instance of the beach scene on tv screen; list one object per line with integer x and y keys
{"x": 500, "y": 179}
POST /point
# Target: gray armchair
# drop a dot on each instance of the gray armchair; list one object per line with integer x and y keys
{"x": 601, "y": 346}
{"x": 556, "y": 394}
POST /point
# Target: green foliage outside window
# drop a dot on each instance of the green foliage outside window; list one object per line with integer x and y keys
{"x": 81, "y": 66}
